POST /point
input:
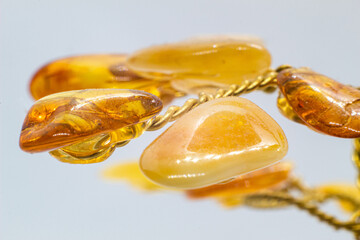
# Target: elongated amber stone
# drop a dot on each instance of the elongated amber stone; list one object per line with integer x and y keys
{"x": 216, "y": 61}
{"x": 66, "y": 118}
{"x": 130, "y": 172}
{"x": 248, "y": 183}
{"x": 94, "y": 71}
{"x": 322, "y": 103}
{"x": 216, "y": 141}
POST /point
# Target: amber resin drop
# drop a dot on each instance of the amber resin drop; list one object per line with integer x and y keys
{"x": 252, "y": 182}
{"x": 322, "y": 103}
{"x": 202, "y": 63}
{"x": 66, "y": 118}
{"x": 216, "y": 141}
{"x": 94, "y": 71}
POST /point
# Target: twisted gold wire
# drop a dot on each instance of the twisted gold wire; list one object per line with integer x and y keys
{"x": 312, "y": 209}
{"x": 356, "y": 158}
{"x": 266, "y": 81}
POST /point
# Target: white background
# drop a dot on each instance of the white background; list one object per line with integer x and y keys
{"x": 43, "y": 199}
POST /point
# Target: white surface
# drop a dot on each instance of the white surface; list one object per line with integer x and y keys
{"x": 45, "y": 199}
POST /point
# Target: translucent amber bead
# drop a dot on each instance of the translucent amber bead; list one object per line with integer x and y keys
{"x": 322, "y": 103}
{"x": 66, "y": 118}
{"x": 216, "y": 61}
{"x": 94, "y": 71}
{"x": 216, "y": 141}
{"x": 252, "y": 182}
{"x": 130, "y": 172}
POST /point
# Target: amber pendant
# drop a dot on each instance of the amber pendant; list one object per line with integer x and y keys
{"x": 215, "y": 142}
{"x": 84, "y": 117}
{"x": 322, "y": 103}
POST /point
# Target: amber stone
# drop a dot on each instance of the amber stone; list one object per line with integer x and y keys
{"x": 322, "y": 103}
{"x": 347, "y": 195}
{"x": 66, "y": 118}
{"x": 216, "y": 61}
{"x": 130, "y": 173}
{"x": 286, "y": 110}
{"x": 94, "y": 71}
{"x": 216, "y": 141}
{"x": 248, "y": 183}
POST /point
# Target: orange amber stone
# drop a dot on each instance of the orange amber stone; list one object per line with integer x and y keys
{"x": 215, "y": 61}
{"x": 70, "y": 117}
{"x": 214, "y": 142}
{"x": 94, "y": 71}
{"x": 322, "y": 103}
{"x": 252, "y": 182}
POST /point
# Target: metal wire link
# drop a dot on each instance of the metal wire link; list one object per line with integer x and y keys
{"x": 312, "y": 209}
{"x": 264, "y": 81}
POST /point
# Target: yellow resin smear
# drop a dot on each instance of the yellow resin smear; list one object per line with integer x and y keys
{"x": 94, "y": 71}
{"x": 130, "y": 172}
{"x": 203, "y": 62}
{"x": 216, "y": 141}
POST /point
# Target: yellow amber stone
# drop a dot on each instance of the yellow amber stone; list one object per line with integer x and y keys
{"x": 94, "y": 71}
{"x": 348, "y": 195}
{"x": 216, "y": 61}
{"x": 216, "y": 141}
{"x": 98, "y": 148}
{"x": 322, "y": 103}
{"x": 248, "y": 183}
{"x": 130, "y": 172}
{"x": 66, "y": 118}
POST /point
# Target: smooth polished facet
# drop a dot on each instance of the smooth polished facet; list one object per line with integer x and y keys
{"x": 265, "y": 178}
{"x": 66, "y": 118}
{"x": 130, "y": 172}
{"x": 217, "y": 61}
{"x": 216, "y": 141}
{"x": 94, "y": 71}
{"x": 322, "y": 103}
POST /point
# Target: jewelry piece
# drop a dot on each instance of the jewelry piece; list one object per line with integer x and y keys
{"x": 221, "y": 146}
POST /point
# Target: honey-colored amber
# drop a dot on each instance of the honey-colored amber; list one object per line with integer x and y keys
{"x": 216, "y": 61}
{"x": 216, "y": 141}
{"x": 322, "y": 103}
{"x": 98, "y": 148}
{"x": 248, "y": 183}
{"x": 348, "y": 195}
{"x": 130, "y": 172}
{"x": 66, "y": 118}
{"x": 286, "y": 110}
{"x": 94, "y": 71}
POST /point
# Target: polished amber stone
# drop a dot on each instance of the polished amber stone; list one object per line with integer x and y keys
{"x": 322, "y": 103}
{"x": 66, "y": 118}
{"x": 130, "y": 173}
{"x": 216, "y": 141}
{"x": 248, "y": 183}
{"x": 216, "y": 61}
{"x": 94, "y": 71}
